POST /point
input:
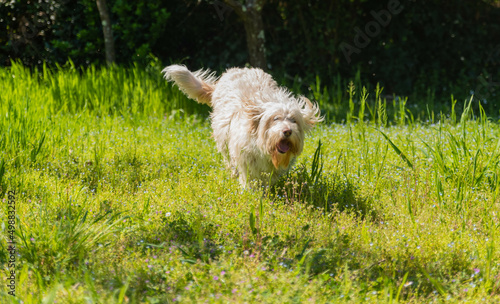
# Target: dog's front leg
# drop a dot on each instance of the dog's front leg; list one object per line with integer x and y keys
{"x": 243, "y": 182}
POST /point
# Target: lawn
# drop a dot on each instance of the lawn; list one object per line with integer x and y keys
{"x": 121, "y": 197}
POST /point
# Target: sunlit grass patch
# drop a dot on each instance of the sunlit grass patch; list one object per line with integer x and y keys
{"x": 132, "y": 203}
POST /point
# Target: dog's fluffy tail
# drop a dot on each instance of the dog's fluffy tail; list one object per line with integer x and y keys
{"x": 197, "y": 85}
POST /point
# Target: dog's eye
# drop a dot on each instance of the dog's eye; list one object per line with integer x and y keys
{"x": 277, "y": 118}
{"x": 291, "y": 119}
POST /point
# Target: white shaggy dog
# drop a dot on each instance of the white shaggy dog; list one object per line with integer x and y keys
{"x": 259, "y": 127}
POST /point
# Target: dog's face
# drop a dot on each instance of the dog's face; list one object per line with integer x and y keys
{"x": 281, "y": 127}
{"x": 282, "y": 130}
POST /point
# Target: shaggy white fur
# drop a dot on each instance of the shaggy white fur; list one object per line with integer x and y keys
{"x": 259, "y": 127}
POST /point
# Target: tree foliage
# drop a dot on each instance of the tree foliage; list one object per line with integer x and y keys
{"x": 445, "y": 42}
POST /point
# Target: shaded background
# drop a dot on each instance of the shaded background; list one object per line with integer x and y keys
{"x": 434, "y": 48}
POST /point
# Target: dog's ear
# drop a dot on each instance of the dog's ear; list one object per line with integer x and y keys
{"x": 310, "y": 112}
{"x": 254, "y": 113}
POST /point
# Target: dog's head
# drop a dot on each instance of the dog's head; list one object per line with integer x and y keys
{"x": 280, "y": 126}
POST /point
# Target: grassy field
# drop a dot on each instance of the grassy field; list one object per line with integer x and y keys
{"x": 121, "y": 197}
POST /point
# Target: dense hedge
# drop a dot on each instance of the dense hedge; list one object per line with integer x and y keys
{"x": 443, "y": 45}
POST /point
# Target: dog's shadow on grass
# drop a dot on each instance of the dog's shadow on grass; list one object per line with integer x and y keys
{"x": 194, "y": 237}
{"x": 323, "y": 191}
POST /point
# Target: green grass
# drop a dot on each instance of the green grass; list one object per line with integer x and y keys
{"x": 123, "y": 198}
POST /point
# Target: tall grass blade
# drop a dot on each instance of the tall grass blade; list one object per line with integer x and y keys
{"x": 453, "y": 117}
{"x": 364, "y": 97}
{"x": 398, "y": 294}
{"x": 317, "y": 165}
{"x": 352, "y": 92}
{"x": 3, "y": 188}
{"x": 439, "y": 287}
{"x": 397, "y": 150}
{"x": 36, "y": 149}
{"x": 123, "y": 290}
{"x": 252, "y": 220}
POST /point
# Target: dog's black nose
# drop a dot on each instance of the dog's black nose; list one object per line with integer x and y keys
{"x": 287, "y": 132}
